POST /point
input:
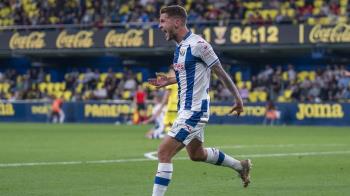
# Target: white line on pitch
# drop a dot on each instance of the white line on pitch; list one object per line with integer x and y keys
{"x": 4, "y": 165}
{"x": 152, "y": 155}
{"x": 282, "y": 145}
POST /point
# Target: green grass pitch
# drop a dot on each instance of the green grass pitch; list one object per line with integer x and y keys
{"x": 91, "y": 160}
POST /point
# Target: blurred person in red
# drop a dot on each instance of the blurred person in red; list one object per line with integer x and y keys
{"x": 57, "y": 114}
{"x": 140, "y": 105}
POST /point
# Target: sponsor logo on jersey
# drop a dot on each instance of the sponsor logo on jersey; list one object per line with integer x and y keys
{"x": 179, "y": 66}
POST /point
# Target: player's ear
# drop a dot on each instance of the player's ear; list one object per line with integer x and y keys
{"x": 177, "y": 23}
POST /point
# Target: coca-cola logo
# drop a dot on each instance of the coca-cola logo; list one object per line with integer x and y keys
{"x": 334, "y": 34}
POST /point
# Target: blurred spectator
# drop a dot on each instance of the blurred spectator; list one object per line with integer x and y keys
{"x": 2, "y": 77}
{"x": 244, "y": 92}
{"x": 130, "y": 82}
{"x": 330, "y": 83}
{"x": 272, "y": 114}
{"x": 101, "y": 12}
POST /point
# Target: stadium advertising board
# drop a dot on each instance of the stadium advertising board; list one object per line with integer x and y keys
{"x": 232, "y": 36}
{"x": 76, "y": 39}
{"x": 334, "y": 114}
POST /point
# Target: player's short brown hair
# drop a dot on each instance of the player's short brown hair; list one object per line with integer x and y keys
{"x": 175, "y": 11}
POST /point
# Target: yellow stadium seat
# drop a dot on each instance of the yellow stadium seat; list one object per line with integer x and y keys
{"x": 281, "y": 99}
{"x": 325, "y": 20}
{"x": 5, "y": 87}
{"x": 291, "y": 12}
{"x": 119, "y": 75}
{"x": 50, "y": 87}
{"x": 48, "y": 78}
{"x": 312, "y": 75}
{"x": 311, "y": 21}
{"x": 126, "y": 95}
{"x": 262, "y": 96}
{"x": 103, "y": 77}
{"x": 283, "y": 12}
{"x": 58, "y": 94}
{"x": 139, "y": 77}
{"x": 211, "y": 95}
{"x": 287, "y": 94}
{"x": 316, "y": 11}
{"x": 240, "y": 84}
{"x": 302, "y": 75}
{"x": 8, "y": 95}
{"x": 100, "y": 85}
{"x": 248, "y": 85}
{"x": 67, "y": 95}
{"x": 238, "y": 76}
{"x": 318, "y": 3}
{"x": 285, "y": 76}
{"x": 57, "y": 86}
{"x": 42, "y": 87}
{"x": 79, "y": 88}
{"x": 253, "y": 97}
{"x": 81, "y": 77}
{"x": 63, "y": 86}
{"x": 273, "y": 13}
{"x": 300, "y": 3}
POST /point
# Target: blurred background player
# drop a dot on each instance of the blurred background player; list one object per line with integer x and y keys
{"x": 57, "y": 113}
{"x": 157, "y": 117}
{"x": 171, "y": 97}
{"x": 169, "y": 103}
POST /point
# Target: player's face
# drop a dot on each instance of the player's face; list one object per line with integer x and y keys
{"x": 168, "y": 26}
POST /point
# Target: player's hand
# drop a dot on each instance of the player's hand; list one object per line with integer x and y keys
{"x": 237, "y": 109}
{"x": 160, "y": 81}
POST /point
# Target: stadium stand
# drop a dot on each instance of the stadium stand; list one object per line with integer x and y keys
{"x": 272, "y": 83}
{"x": 103, "y": 12}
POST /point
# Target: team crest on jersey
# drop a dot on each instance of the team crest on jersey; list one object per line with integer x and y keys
{"x": 179, "y": 66}
{"x": 182, "y": 52}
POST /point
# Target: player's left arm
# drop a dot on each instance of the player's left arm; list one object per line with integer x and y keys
{"x": 230, "y": 85}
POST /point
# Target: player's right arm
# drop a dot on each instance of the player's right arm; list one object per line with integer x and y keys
{"x": 162, "y": 80}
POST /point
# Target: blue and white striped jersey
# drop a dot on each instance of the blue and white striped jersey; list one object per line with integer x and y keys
{"x": 193, "y": 59}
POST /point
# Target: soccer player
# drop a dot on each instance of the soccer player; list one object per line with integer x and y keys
{"x": 193, "y": 61}
{"x": 170, "y": 97}
{"x": 158, "y": 114}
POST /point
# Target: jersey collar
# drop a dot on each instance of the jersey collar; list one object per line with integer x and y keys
{"x": 186, "y": 36}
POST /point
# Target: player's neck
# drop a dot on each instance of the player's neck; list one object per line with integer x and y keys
{"x": 181, "y": 34}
